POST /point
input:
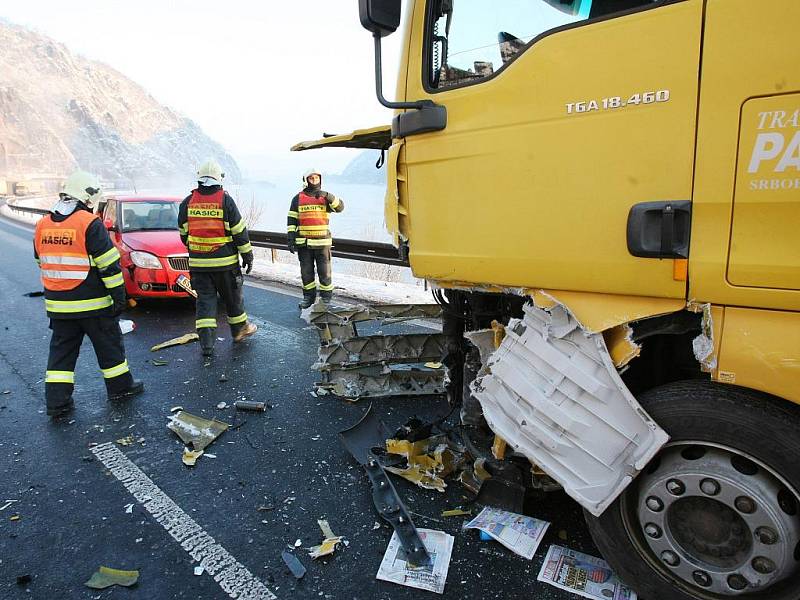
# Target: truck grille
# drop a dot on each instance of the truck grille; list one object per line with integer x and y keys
{"x": 179, "y": 263}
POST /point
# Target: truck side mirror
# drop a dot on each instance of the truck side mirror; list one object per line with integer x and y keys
{"x": 380, "y": 17}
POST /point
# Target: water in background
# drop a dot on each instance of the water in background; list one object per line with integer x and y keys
{"x": 362, "y": 218}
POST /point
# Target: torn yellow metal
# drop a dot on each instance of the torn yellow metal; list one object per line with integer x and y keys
{"x": 428, "y": 461}
{"x": 375, "y": 138}
{"x": 620, "y": 345}
{"x": 499, "y": 448}
{"x": 195, "y": 431}
{"x": 456, "y": 512}
{"x": 105, "y": 577}
{"x": 184, "y": 339}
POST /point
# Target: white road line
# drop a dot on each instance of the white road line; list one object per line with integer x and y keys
{"x": 234, "y": 579}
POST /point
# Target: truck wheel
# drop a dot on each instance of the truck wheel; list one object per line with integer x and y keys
{"x": 717, "y": 513}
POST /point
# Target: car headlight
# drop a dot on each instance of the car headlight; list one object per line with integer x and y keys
{"x": 145, "y": 260}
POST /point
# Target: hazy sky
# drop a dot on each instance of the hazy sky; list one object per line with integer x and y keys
{"x": 255, "y": 75}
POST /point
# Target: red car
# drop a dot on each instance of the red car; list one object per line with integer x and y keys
{"x": 145, "y": 230}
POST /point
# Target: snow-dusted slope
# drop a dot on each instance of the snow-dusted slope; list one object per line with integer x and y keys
{"x": 59, "y": 110}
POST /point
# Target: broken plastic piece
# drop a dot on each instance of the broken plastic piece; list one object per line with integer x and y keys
{"x": 126, "y": 326}
{"x": 199, "y": 570}
{"x": 328, "y": 545}
{"x": 195, "y": 431}
{"x": 456, "y": 512}
{"x": 126, "y": 441}
{"x": 295, "y": 566}
{"x": 105, "y": 577}
{"x": 184, "y": 339}
{"x": 552, "y": 392}
{"x": 190, "y": 456}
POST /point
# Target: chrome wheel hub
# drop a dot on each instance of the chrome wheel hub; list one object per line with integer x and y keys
{"x": 718, "y": 520}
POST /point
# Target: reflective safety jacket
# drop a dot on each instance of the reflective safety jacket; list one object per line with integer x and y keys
{"x": 79, "y": 265}
{"x": 307, "y": 222}
{"x": 212, "y": 228}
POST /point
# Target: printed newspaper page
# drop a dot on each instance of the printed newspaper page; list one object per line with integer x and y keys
{"x": 394, "y": 567}
{"x": 582, "y": 574}
{"x": 518, "y": 533}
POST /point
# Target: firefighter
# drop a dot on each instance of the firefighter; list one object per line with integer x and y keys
{"x": 216, "y": 235}
{"x": 309, "y": 236}
{"x": 84, "y": 294}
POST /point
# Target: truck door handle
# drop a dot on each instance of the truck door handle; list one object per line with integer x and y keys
{"x": 660, "y": 229}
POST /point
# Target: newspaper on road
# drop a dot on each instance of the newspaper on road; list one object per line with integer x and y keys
{"x": 518, "y": 533}
{"x": 583, "y": 574}
{"x": 396, "y": 569}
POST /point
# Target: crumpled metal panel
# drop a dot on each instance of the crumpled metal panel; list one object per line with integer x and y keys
{"x": 320, "y": 314}
{"x": 414, "y": 347}
{"x": 380, "y": 380}
{"x": 552, "y": 392}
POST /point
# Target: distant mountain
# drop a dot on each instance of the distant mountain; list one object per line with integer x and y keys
{"x": 59, "y": 111}
{"x": 362, "y": 170}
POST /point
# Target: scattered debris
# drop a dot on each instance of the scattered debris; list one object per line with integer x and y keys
{"x": 223, "y": 378}
{"x": 190, "y": 456}
{"x": 105, "y": 577}
{"x": 175, "y": 409}
{"x": 6, "y": 392}
{"x": 456, "y": 512}
{"x": 433, "y": 365}
{"x": 328, "y": 545}
{"x": 24, "y": 579}
{"x": 222, "y": 405}
{"x": 250, "y": 405}
{"x": 582, "y": 574}
{"x": 199, "y": 570}
{"x": 396, "y": 567}
{"x": 129, "y": 508}
{"x": 520, "y": 534}
{"x": 196, "y": 431}
{"x": 376, "y": 525}
{"x": 126, "y": 441}
{"x": 184, "y": 339}
{"x": 210, "y": 455}
{"x": 427, "y": 461}
{"x": 15, "y": 517}
{"x": 157, "y": 362}
{"x": 298, "y": 543}
{"x": 36, "y": 294}
{"x": 359, "y": 440}
{"x": 265, "y": 508}
{"x": 295, "y": 566}
{"x": 126, "y": 326}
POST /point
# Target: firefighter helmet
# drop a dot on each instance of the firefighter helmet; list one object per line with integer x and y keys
{"x": 308, "y": 174}
{"x": 212, "y": 170}
{"x": 81, "y": 186}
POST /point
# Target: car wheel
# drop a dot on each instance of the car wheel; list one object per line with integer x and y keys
{"x": 716, "y": 514}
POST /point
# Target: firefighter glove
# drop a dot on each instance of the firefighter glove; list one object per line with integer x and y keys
{"x": 247, "y": 262}
{"x": 120, "y": 302}
{"x": 291, "y": 244}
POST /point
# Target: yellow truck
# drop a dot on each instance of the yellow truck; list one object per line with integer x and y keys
{"x": 617, "y": 183}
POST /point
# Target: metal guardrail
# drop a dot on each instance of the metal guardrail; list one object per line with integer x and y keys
{"x": 375, "y": 252}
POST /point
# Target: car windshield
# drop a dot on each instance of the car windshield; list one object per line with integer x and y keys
{"x": 149, "y": 216}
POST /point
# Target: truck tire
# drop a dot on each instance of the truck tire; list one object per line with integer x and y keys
{"x": 716, "y": 514}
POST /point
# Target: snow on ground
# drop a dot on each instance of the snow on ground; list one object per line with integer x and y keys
{"x": 383, "y": 287}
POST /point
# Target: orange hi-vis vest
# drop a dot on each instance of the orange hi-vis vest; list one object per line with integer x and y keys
{"x": 61, "y": 246}
{"x": 206, "y": 223}
{"x": 312, "y": 219}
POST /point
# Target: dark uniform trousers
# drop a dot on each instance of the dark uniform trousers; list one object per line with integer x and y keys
{"x": 65, "y": 344}
{"x": 229, "y": 285}
{"x": 321, "y": 258}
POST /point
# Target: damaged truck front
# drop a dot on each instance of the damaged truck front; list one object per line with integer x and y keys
{"x": 548, "y": 164}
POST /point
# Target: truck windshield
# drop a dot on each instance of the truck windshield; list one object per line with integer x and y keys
{"x": 472, "y": 39}
{"x": 148, "y": 216}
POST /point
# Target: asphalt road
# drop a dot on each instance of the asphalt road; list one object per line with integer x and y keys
{"x": 72, "y": 511}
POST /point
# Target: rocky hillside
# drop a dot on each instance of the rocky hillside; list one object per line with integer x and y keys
{"x": 59, "y": 110}
{"x": 362, "y": 170}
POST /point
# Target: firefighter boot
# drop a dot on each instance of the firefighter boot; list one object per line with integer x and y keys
{"x": 247, "y": 330}
{"x": 326, "y": 296}
{"x": 207, "y": 340}
{"x": 308, "y": 299}
{"x": 137, "y": 387}
{"x": 59, "y": 411}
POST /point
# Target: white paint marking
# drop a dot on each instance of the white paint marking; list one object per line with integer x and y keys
{"x": 234, "y": 579}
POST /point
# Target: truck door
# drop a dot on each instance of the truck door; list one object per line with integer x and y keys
{"x": 561, "y": 116}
